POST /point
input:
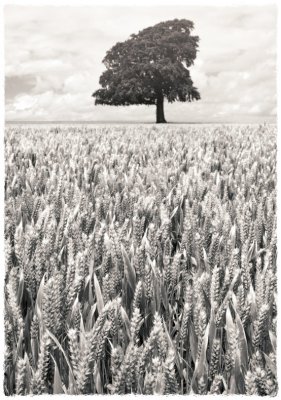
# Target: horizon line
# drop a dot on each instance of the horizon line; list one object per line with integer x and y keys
{"x": 133, "y": 122}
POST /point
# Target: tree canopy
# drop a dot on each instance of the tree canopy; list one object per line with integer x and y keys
{"x": 150, "y": 66}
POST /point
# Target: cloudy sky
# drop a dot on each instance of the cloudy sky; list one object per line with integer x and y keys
{"x": 53, "y": 60}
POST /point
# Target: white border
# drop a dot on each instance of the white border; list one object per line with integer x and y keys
{"x": 228, "y": 3}
{"x": 143, "y": 3}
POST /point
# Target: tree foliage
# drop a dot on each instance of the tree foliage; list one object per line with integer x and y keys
{"x": 150, "y": 66}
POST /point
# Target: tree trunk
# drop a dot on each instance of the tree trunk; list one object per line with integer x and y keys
{"x": 160, "y": 118}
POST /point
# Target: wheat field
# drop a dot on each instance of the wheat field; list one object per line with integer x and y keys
{"x": 140, "y": 259}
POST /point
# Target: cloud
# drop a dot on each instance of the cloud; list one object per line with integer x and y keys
{"x": 15, "y": 84}
{"x": 54, "y": 71}
{"x": 25, "y": 102}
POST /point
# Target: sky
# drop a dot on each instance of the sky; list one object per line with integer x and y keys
{"x": 53, "y": 61}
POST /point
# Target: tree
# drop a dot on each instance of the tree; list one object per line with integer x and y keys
{"x": 150, "y": 66}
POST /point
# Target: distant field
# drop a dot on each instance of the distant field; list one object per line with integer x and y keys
{"x": 140, "y": 259}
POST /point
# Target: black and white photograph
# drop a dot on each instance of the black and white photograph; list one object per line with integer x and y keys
{"x": 140, "y": 198}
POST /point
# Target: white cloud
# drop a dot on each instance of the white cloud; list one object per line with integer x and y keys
{"x": 256, "y": 109}
{"x": 25, "y": 102}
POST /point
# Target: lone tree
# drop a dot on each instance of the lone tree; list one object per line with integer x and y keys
{"x": 150, "y": 66}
